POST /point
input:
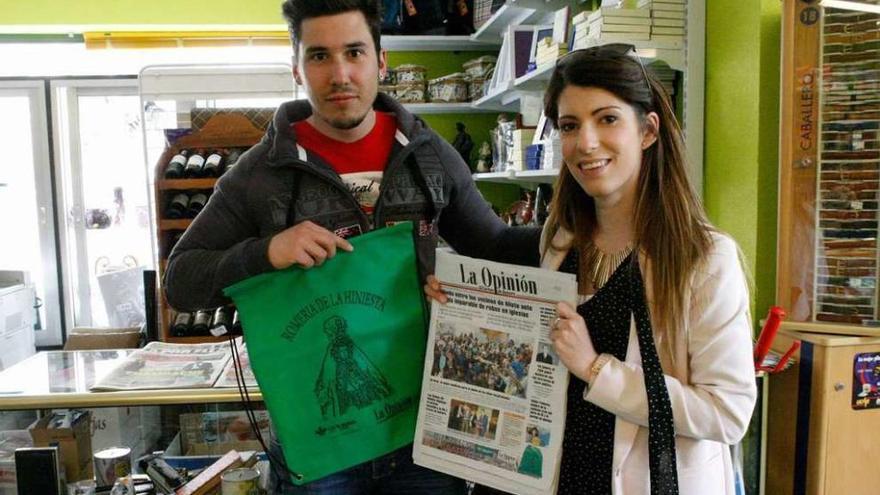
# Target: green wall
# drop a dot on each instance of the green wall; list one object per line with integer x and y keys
{"x": 741, "y": 132}
{"x": 141, "y": 12}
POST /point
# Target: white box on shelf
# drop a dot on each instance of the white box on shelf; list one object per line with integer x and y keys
{"x": 17, "y": 317}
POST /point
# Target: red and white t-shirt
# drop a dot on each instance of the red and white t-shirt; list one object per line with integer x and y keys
{"x": 361, "y": 163}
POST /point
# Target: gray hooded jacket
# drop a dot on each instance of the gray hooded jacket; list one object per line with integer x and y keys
{"x": 277, "y": 184}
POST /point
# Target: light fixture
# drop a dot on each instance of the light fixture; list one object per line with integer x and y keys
{"x": 847, "y": 5}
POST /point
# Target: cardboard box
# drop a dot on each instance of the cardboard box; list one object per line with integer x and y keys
{"x": 217, "y": 432}
{"x": 85, "y": 339}
{"x": 70, "y": 431}
{"x": 124, "y": 426}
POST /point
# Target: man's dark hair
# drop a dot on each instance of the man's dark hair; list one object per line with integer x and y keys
{"x": 296, "y": 11}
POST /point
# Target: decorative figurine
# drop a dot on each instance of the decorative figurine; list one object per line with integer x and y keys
{"x": 484, "y": 158}
{"x": 463, "y": 143}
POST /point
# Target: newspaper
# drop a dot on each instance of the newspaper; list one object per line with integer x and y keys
{"x": 492, "y": 408}
{"x": 162, "y": 365}
{"x": 228, "y": 377}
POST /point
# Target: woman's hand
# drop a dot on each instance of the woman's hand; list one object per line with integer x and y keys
{"x": 572, "y": 342}
{"x": 433, "y": 290}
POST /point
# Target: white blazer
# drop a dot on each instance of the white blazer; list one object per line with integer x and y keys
{"x": 711, "y": 385}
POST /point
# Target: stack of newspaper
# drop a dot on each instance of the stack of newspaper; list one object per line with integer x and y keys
{"x": 160, "y": 365}
{"x": 492, "y": 408}
{"x": 667, "y": 20}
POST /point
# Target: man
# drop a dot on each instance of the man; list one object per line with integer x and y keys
{"x": 544, "y": 356}
{"x": 345, "y": 162}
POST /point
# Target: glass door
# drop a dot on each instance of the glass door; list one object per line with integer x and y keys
{"x": 28, "y": 220}
{"x": 105, "y": 197}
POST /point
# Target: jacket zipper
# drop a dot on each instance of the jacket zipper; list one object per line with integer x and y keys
{"x": 395, "y": 163}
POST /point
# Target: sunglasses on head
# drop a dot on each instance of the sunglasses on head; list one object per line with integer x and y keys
{"x": 604, "y": 51}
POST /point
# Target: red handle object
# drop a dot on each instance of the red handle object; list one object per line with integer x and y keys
{"x": 768, "y": 333}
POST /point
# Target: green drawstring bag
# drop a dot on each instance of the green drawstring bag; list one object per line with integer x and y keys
{"x": 338, "y": 352}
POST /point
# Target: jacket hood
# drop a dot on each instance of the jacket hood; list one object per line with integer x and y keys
{"x": 282, "y": 141}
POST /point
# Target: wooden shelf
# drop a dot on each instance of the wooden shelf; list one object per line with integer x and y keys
{"x": 177, "y": 224}
{"x": 224, "y": 130}
{"x": 177, "y": 184}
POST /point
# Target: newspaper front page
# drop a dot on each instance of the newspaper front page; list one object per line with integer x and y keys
{"x": 493, "y": 395}
{"x": 163, "y": 365}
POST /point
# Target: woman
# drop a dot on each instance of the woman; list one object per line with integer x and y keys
{"x": 659, "y": 346}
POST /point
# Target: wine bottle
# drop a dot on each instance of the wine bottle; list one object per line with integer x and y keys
{"x": 194, "y": 165}
{"x": 202, "y": 322}
{"x": 236, "y": 324}
{"x": 196, "y": 203}
{"x": 223, "y": 318}
{"x": 213, "y": 164}
{"x": 175, "y": 167}
{"x": 177, "y": 208}
{"x": 182, "y": 324}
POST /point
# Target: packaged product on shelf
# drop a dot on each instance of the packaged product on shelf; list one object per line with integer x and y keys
{"x": 476, "y": 88}
{"x": 411, "y": 92}
{"x": 479, "y": 67}
{"x": 449, "y": 89}
{"x": 388, "y": 89}
{"x": 71, "y": 432}
{"x": 389, "y": 78}
{"x": 410, "y": 73}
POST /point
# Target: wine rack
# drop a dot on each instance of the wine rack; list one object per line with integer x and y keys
{"x": 222, "y": 130}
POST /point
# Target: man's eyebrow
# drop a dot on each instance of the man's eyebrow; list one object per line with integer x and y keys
{"x": 319, "y": 49}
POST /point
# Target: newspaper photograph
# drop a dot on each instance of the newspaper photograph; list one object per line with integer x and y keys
{"x": 162, "y": 365}
{"x": 492, "y": 408}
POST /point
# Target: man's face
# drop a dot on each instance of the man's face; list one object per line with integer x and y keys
{"x": 339, "y": 69}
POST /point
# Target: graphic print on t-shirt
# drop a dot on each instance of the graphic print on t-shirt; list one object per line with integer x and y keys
{"x": 360, "y": 164}
{"x": 364, "y": 186}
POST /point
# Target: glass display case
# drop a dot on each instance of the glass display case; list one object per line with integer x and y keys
{"x": 192, "y": 427}
{"x": 827, "y": 266}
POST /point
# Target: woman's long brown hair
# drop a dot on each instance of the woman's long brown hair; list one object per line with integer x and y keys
{"x": 670, "y": 225}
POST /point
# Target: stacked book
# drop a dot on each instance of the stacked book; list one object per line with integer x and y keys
{"x": 667, "y": 19}
{"x": 548, "y": 51}
{"x": 522, "y": 138}
{"x": 551, "y": 156}
{"x": 534, "y": 152}
{"x": 665, "y": 74}
{"x": 611, "y": 25}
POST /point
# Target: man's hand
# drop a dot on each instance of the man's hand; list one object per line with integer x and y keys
{"x": 305, "y": 244}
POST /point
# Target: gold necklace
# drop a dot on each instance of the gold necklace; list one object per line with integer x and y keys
{"x": 597, "y": 266}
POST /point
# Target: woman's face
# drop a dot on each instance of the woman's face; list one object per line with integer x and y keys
{"x": 602, "y": 142}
